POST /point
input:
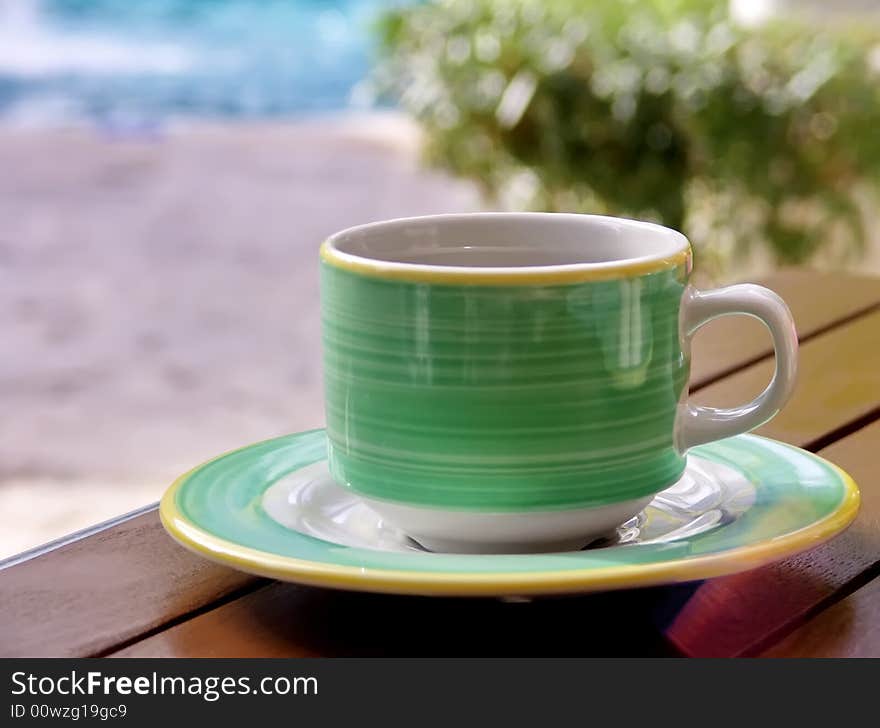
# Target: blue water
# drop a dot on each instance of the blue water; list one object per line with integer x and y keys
{"x": 148, "y": 61}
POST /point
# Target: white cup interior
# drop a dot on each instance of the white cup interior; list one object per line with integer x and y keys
{"x": 509, "y": 240}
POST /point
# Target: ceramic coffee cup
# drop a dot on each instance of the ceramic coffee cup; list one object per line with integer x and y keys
{"x": 518, "y": 382}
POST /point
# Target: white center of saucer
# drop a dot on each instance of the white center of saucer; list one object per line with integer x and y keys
{"x": 709, "y": 495}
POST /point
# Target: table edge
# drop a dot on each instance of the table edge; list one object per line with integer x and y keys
{"x": 70, "y": 538}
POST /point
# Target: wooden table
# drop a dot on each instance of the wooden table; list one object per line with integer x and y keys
{"x": 123, "y": 588}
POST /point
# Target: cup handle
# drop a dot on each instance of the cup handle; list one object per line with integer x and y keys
{"x": 696, "y": 425}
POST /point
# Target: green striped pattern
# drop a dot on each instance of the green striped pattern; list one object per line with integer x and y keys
{"x": 503, "y": 398}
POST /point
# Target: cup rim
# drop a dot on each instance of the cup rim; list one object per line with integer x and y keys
{"x": 677, "y": 252}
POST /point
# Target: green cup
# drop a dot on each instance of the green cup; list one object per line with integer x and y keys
{"x": 517, "y": 382}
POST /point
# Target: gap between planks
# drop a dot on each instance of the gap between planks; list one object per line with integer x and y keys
{"x": 768, "y": 353}
{"x": 243, "y": 591}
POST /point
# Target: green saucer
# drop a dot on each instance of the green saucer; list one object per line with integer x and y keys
{"x": 271, "y": 509}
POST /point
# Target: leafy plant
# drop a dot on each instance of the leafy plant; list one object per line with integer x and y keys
{"x": 656, "y": 109}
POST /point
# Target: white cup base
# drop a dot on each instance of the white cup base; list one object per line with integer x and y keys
{"x": 469, "y": 532}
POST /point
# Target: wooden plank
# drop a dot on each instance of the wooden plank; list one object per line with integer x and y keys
{"x": 851, "y": 628}
{"x": 723, "y": 615}
{"x": 744, "y": 613}
{"x": 838, "y": 383}
{"x": 817, "y": 300}
{"x": 96, "y": 592}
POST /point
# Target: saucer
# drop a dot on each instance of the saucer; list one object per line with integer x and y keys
{"x": 272, "y": 509}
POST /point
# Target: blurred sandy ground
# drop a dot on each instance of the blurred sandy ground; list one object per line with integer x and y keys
{"x": 159, "y": 298}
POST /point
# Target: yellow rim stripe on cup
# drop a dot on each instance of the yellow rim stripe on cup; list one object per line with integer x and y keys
{"x": 536, "y": 275}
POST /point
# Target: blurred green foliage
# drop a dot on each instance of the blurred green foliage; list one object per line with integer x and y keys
{"x": 655, "y": 109}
